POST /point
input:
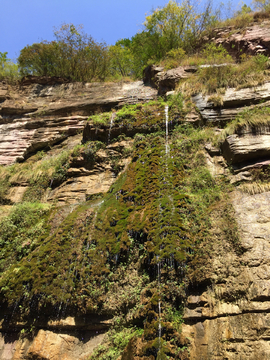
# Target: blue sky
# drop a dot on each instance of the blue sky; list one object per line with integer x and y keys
{"x": 24, "y": 22}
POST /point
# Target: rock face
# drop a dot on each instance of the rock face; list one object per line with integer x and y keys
{"x": 252, "y": 144}
{"x": 24, "y": 136}
{"x": 37, "y": 116}
{"x": 166, "y": 81}
{"x": 252, "y": 40}
{"x": 227, "y": 312}
{"x": 230, "y": 319}
{"x": 84, "y": 181}
{"x": 233, "y": 102}
{"x": 51, "y": 345}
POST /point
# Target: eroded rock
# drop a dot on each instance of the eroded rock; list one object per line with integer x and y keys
{"x": 233, "y": 102}
{"x": 166, "y": 80}
{"x": 252, "y": 143}
{"x": 40, "y": 115}
{"x": 230, "y": 319}
{"x": 48, "y": 345}
{"x": 252, "y": 40}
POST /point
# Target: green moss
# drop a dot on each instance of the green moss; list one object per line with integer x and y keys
{"x": 121, "y": 256}
{"x": 115, "y": 343}
{"x": 148, "y": 117}
{"x": 19, "y": 231}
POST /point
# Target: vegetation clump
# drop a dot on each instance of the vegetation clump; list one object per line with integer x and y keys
{"x": 38, "y": 173}
{"x": 252, "y": 71}
{"x": 8, "y": 69}
{"x": 254, "y": 118}
{"x": 73, "y": 55}
{"x": 147, "y": 226}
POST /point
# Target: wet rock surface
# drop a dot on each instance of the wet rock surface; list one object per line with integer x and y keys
{"x": 230, "y": 319}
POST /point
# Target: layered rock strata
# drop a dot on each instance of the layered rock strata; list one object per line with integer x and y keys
{"x": 69, "y": 338}
{"x": 251, "y": 40}
{"x": 37, "y": 116}
{"x": 229, "y": 319}
{"x": 232, "y": 102}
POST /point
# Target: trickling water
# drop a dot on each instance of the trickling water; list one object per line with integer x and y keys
{"x": 159, "y": 306}
{"x": 110, "y": 128}
{"x": 167, "y": 129}
{"x": 167, "y": 157}
{"x": 96, "y": 206}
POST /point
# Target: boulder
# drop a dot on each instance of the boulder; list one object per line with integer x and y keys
{"x": 166, "y": 80}
{"x": 252, "y": 40}
{"x": 233, "y": 102}
{"x": 252, "y": 144}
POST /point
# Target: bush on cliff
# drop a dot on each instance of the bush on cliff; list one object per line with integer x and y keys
{"x": 74, "y": 55}
{"x": 8, "y": 69}
{"x": 175, "y": 26}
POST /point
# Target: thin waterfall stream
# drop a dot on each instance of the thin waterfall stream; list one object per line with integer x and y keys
{"x": 111, "y": 125}
{"x": 167, "y": 146}
{"x": 159, "y": 308}
{"x": 167, "y": 156}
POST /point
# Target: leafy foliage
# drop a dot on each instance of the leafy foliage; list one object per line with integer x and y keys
{"x": 8, "y": 69}
{"x": 19, "y": 232}
{"x": 261, "y": 4}
{"x": 178, "y": 25}
{"x": 169, "y": 31}
{"x": 72, "y": 55}
{"x": 121, "y": 58}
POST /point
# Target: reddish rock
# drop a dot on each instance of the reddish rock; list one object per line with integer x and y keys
{"x": 255, "y": 39}
{"x": 166, "y": 80}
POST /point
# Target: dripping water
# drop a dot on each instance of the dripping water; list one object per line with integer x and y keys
{"x": 110, "y": 128}
{"x": 167, "y": 146}
{"x": 96, "y": 205}
{"x": 159, "y": 306}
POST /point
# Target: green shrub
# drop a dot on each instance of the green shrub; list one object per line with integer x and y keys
{"x": 74, "y": 55}
{"x": 20, "y": 229}
{"x": 261, "y": 61}
{"x": 8, "y": 69}
{"x": 216, "y": 54}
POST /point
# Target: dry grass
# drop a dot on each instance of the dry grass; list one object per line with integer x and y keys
{"x": 240, "y": 21}
{"x": 32, "y": 170}
{"x": 254, "y": 188}
{"x": 253, "y": 71}
{"x": 211, "y": 54}
{"x": 37, "y": 172}
{"x": 257, "y": 117}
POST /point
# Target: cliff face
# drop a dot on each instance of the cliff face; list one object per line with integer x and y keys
{"x": 126, "y": 231}
{"x": 230, "y": 318}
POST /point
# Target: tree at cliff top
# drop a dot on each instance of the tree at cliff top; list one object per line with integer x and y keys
{"x": 121, "y": 58}
{"x": 8, "y": 70}
{"x": 261, "y": 4}
{"x": 73, "y": 55}
{"x": 176, "y": 25}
